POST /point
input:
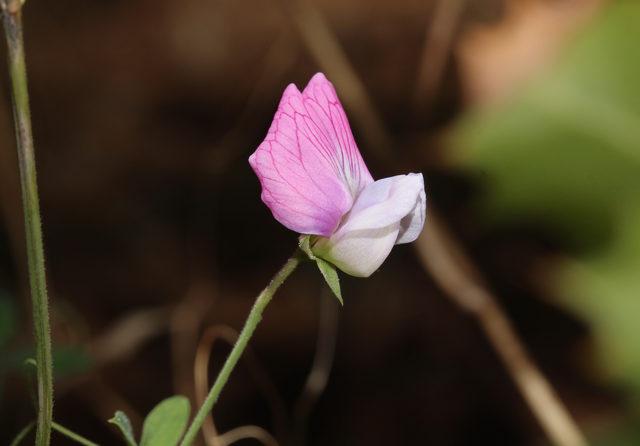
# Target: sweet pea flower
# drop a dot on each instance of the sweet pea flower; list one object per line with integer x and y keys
{"x": 315, "y": 182}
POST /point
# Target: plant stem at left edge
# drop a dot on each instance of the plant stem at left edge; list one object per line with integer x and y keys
{"x": 12, "y": 21}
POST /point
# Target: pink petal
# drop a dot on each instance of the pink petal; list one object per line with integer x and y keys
{"x": 309, "y": 165}
{"x": 326, "y": 110}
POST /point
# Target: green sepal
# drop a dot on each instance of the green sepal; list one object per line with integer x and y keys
{"x": 331, "y": 277}
{"x": 121, "y": 420}
{"x": 327, "y": 269}
{"x": 304, "y": 242}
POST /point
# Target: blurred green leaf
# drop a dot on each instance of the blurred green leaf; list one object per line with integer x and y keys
{"x": 166, "y": 423}
{"x": 67, "y": 360}
{"x": 121, "y": 420}
{"x": 604, "y": 289}
{"x": 625, "y": 434}
{"x": 565, "y": 154}
{"x": 70, "y": 360}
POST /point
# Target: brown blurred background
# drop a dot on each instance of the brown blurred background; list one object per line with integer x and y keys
{"x": 145, "y": 113}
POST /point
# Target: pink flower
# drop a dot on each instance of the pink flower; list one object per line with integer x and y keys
{"x": 315, "y": 182}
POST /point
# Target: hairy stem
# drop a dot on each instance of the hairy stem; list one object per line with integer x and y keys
{"x": 12, "y": 20}
{"x": 254, "y": 318}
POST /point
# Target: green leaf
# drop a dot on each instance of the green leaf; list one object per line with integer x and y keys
{"x": 121, "y": 420}
{"x": 331, "y": 277}
{"x": 166, "y": 423}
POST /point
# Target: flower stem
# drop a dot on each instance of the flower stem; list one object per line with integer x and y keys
{"x": 56, "y": 427}
{"x": 72, "y": 435}
{"x": 247, "y": 331}
{"x": 22, "y": 434}
{"x": 12, "y": 20}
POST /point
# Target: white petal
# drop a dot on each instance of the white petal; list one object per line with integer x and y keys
{"x": 384, "y": 202}
{"x": 359, "y": 253}
{"x": 411, "y": 225}
{"x": 387, "y": 211}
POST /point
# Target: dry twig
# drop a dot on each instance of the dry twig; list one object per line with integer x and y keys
{"x": 437, "y": 48}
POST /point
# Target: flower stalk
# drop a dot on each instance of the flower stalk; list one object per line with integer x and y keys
{"x": 12, "y": 21}
{"x": 254, "y": 318}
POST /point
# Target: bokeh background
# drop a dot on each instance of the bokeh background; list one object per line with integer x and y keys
{"x": 523, "y": 115}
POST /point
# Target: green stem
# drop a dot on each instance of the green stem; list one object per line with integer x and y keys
{"x": 247, "y": 331}
{"x": 57, "y": 427}
{"x": 72, "y": 435}
{"x": 22, "y": 434}
{"x": 12, "y": 20}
